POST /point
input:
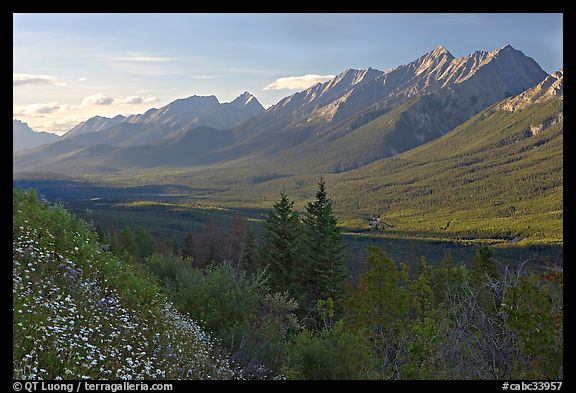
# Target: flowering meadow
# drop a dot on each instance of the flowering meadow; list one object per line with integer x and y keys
{"x": 81, "y": 313}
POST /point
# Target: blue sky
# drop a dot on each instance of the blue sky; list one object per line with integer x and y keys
{"x": 68, "y": 67}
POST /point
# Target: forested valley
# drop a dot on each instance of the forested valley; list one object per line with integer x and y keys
{"x": 280, "y": 304}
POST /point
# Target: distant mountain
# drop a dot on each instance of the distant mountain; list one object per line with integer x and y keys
{"x": 181, "y": 110}
{"x": 94, "y": 124}
{"x": 497, "y": 175}
{"x": 358, "y": 117}
{"x": 192, "y": 125}
{"x": 26, "y": 138}
{"x": 487, "y": 76}
{"x": 155, "y": 125}
{"x": 364, "y": 115}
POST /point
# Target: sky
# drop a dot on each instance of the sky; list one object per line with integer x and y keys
{"x": 70, "y": 67}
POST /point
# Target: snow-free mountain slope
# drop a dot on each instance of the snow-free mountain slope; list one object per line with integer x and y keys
{"x": 94, "y": 124}
{"x": 156, "y": 125}
{"x": 23, "y": 137}
{"x": 339, "y": 125}
{"x": 358, "y": 117}
{"x": 552, "y": 86}
{"x": 499, "y": 175}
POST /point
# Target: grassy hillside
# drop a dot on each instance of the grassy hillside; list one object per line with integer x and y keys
{"x": 81, "y": 313}
{"x": 489, "y": 177}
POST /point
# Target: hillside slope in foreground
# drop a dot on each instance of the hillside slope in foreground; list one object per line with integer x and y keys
{"x": 81, "y": 313}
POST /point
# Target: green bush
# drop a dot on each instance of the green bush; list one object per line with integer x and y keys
{"x": 335, "y": 353}
{"x": 253, "y": 323}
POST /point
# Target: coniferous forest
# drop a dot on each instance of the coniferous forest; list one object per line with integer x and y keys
{"x": 281, "y": 305}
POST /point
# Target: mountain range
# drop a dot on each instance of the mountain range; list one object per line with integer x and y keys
{"x": 497, "y": 175}
{"x": 475, "y": 141}
{"x": 23, "y": 137}
{"x": 358, "y": 117}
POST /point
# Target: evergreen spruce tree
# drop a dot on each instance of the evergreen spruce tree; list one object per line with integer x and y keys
{"x": 422, "y": 296}
{"x": 484, "y": 273}
{"x": 320, "y": 270}
{"x": 249, "y": 260}
{"x": 210, "y": 252}
{"x": 424, "y": 268}
{"x": 174, "y": 245}
{"x": 447, "y": 279}
{"x": 236, "y": 241}
{"x": 380, "y": 306}
{"x": 280, "y": 237}
{"x": 127, "y": 244}
{"x": 144, "y": 243}
{"x": 484, "y": 267}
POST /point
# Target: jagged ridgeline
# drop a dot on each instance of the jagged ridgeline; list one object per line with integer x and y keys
{"x": 356, "y": 118}
{"x": 79, "y": 312}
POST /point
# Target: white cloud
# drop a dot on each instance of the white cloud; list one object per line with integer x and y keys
{"x": 69, "y": 107}
{"x": 61, "y": 117}
{"x": 30, "y": 79}
{"x": 82, "y": 79}
{"x": 36, "y": 110}
{"x": 97, "y": 99}
{"x": 148, "y": 100}
{"x": 297, "y": 82}
{"x": 131, "y": 100}
{"x": 136, "y": 100}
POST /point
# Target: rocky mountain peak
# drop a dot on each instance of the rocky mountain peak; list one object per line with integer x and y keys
{"x": 551, "y": 87}
{"x": 24, "y": 137}
{"x": 195, "y": 100}
{"x": 433, "y": 61}
{"x": 506, "y": 50}
{"x": 93, "y": 124}
{"x": 246, "y": 101}
{"x": 440, "y": 51}
{"x": 352, "y": 77}
{"x": 243, "y": 98}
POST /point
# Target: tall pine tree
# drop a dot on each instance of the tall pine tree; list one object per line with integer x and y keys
{"x": 484, "y": 268}
{"x": 127, "y": 244}
{"x": 249, "y": 260}
{"x": 144, "y": 243}
{"x": 320, "y": 271}
{"x": 484, "y": 274}
{"x": 279, "y": 249}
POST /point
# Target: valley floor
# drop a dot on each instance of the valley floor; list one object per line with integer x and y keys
{"x": 169, "y": 210}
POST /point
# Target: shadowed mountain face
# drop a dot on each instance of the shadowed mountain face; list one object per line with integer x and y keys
{"x": 356, "y": 118}
{"x": 26, "y": 138}
{"x": 94, "y": 124}
{"x": 490, "y": 76}
{"x": 502, "y": 169}
{"x": 173, "y": 134}
{"x": 364, "y": 115}
{"x": 177, "y": 117}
